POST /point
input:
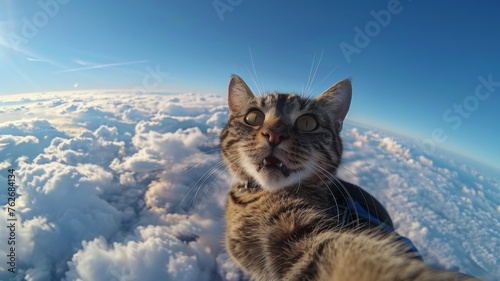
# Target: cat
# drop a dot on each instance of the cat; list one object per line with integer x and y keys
{"x": 288, "y": 217}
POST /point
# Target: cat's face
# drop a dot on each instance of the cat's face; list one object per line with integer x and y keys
{"x": 282, "y": 140}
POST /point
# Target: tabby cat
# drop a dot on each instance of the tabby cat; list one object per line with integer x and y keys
{"x": 288, "y": 216}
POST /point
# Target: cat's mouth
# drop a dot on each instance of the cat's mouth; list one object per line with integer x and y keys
{"x": 272, "y": 162}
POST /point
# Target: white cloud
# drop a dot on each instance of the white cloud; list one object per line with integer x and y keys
{"x": 425, "y": 161}
{"x": 16, "y": 140}
{"x": 151, "y": 254}
{"x": 59, "y": 207}
{"x": 393, "y": 147}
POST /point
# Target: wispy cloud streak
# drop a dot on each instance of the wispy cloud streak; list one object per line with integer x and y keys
{"x": 36, "y": 59}
{"x": 98, "y": 66}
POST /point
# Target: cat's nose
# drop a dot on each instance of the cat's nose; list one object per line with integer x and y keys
{"x": 275, "y": 137}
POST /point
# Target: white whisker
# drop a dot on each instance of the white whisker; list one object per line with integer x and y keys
{"x": 308, "y": 93}
{"x": 327, "y": 186}
{"x": 340, "y": 187}
{"x": 329, "y": 73}
{"x": 254, "y": 76}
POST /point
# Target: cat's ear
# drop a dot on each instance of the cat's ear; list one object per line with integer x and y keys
{"x": 239, "y": 94}
{"x": 337, "y": 100}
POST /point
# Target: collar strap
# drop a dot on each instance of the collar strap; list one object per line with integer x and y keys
{"x": 355, "y": 212}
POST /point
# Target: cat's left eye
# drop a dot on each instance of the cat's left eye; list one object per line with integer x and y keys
{"x": 254, "y": 118}
{"x": 306, "y": 123}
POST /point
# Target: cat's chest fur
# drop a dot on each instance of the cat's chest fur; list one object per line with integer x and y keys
{"x": 273, "y": 232}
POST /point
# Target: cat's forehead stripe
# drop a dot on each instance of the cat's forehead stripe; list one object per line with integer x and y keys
{"x": 280, "y": 103}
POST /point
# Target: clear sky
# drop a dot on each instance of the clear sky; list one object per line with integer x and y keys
{"x": 415, "y": 65}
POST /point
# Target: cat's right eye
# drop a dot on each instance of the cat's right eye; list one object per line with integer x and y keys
{"x": 254, "y": 118}
{"x": 306, "y": 123}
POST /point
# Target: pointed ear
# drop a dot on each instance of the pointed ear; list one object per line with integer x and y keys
{"x": 239, "y": 94}
{"x": 337, "y": 100}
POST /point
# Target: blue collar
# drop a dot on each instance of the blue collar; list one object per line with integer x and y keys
{"x": 355, "y": 214}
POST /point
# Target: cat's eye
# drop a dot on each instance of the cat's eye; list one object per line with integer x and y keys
{"x": 306, "y": 123}
{"x": 254, "y": 118}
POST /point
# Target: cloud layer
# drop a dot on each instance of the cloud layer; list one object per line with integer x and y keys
{"x": 126, "y": 186}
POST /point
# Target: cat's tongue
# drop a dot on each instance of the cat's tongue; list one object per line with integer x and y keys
{"x": 271, "y": 160}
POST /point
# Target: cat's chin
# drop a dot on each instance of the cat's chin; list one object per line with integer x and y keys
{"x": 275, "y": 183}
{"x": 275, "y": 178}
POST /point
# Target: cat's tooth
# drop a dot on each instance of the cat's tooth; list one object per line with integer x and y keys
{"x": 265, "y": 162}
{"x": 281, "y": 165}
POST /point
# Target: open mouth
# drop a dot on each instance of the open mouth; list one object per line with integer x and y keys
{"x": 271, "y": 162}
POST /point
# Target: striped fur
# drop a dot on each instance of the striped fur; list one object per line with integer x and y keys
{"x": 283, "y": 216}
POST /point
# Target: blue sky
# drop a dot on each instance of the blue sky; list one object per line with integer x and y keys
{"x": 415, "y": 73}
